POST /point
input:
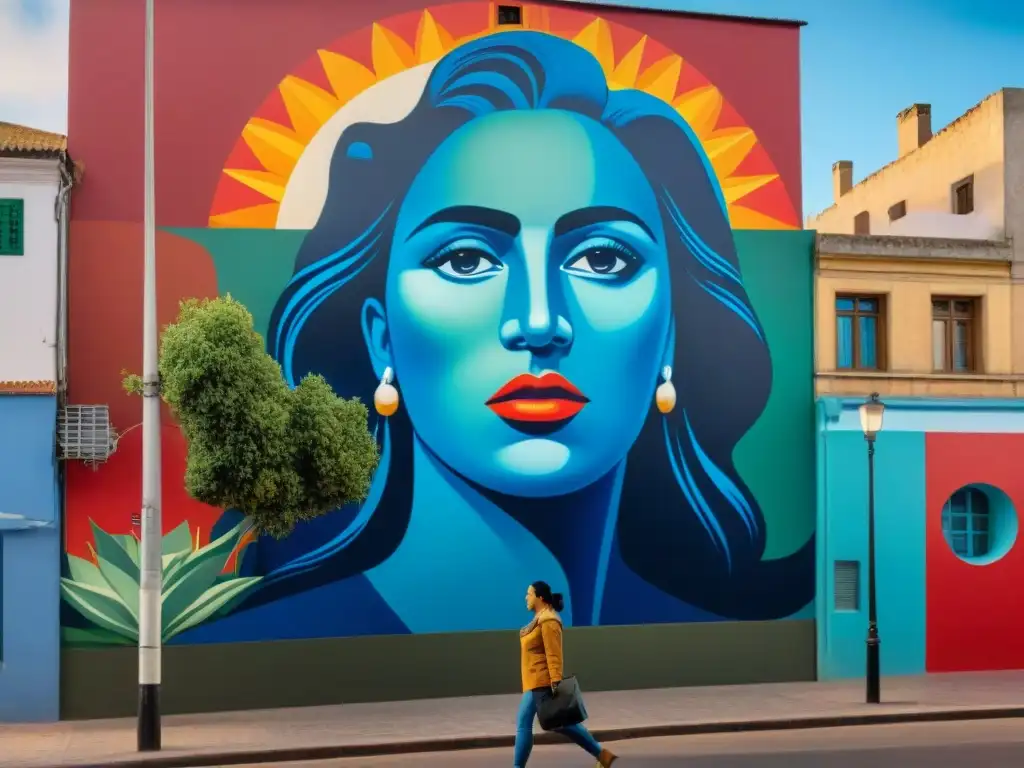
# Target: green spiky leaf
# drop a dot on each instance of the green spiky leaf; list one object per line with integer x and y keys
{"x": 197, "y": 573}
{"x": 85, "y": 572}
{"x": 216, "y": 601}
{"x": 111, "y": 549}
{"x": 178, "y": 540}
{"x": 130, "y": 545}
{"x": 102, "y": 607}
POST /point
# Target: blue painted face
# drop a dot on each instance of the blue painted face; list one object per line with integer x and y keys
{"x": 527, "y": 302}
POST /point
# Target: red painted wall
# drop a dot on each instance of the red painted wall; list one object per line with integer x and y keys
{"x": 216, "y": 61}
{"x": 975, "y": 614}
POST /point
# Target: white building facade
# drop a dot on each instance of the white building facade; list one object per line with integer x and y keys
{"x": 36, "y": 176}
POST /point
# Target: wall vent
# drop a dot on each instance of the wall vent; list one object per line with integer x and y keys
{"x": 847, "y": 585}
{"x": 84, "y": 433}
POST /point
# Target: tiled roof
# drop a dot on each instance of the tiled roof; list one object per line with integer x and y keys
{"x": 28, "y": 387}
{"x": 22, "y": 141}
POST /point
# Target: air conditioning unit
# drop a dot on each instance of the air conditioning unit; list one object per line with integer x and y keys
{"x": 84, "y": 433}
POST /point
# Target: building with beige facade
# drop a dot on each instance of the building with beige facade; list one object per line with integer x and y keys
{"x": 920, "y": 280}
{"x": 916, "y": 317}
{"x": 919, "y": 292}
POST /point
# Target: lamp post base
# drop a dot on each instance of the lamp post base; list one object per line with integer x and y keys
{"x": 874, "y": 682}
{"x": 149, "y": 718}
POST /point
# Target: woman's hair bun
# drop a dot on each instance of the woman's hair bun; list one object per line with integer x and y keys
{"x": 557, "y": 601}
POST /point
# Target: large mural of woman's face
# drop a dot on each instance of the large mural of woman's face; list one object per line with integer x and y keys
{"x": 543, "y": 263}
{"x": 528, "y": 302}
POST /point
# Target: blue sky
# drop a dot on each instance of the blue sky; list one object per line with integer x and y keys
{"x": 862, "y": 60}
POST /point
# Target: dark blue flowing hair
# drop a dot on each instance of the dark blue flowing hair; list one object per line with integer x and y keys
{"x": 687, "y": 523}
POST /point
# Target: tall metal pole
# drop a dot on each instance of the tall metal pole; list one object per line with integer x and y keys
{"x": 874, "y": 683}
{"x": 150, "y": 583}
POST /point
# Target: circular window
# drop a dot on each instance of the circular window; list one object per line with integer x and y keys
{"x": 980, "y": 524}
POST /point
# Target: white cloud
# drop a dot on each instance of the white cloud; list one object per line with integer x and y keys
{"x": 34, "y": 63}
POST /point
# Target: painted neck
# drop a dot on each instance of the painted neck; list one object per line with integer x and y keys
{"x": 578, "y": 529}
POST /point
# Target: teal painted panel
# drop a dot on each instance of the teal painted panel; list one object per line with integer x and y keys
{"x": 253, "y": 265}
{"x": 778, "y": 274}
{"x": 900, "y": 551}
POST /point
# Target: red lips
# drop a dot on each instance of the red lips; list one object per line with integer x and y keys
{"x": 538, "y": 399}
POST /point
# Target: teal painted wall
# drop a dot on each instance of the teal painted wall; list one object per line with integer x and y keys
{"x": 779, "y": 278}
{"x": 900, "y": 550}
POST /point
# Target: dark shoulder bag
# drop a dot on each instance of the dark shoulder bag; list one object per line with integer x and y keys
{"x": 564, "y": 707}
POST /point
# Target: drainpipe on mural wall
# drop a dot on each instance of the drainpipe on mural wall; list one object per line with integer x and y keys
{"x": 62, "y": 214}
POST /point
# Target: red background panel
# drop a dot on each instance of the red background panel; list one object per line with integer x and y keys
{"x": 218, "y": 60}
{"x": 105, "y": 339}
{"x": 975, "y": 613}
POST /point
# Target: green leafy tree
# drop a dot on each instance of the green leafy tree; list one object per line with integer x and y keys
{"x": 277, "y": 454}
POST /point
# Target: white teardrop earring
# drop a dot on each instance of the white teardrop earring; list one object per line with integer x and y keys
{"x": 665, "y": 395}
{"x": 385, "y": 397}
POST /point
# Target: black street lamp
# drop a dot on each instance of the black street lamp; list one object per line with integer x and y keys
{"x": 871, "y": 413}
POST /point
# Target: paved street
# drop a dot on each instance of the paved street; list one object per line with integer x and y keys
{"x": 983, "y": 744}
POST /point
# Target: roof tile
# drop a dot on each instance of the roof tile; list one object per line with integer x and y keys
{"x": 20, "y": 140}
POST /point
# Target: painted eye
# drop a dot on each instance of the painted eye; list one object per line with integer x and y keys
{"x": 603, "y": 259}
{"x": 464, "y": 261}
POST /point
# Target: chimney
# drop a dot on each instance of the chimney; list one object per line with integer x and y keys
{"x": 842, "y": 179}
{"x": 913, "y": 127}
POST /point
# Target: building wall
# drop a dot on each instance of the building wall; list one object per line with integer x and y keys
{"x": 28, "y": 283}
{"x": 907, "y": 273}
{"x": 30, "y": 542}
{"x": 972, "y": 144}
{"x": 936, "y": 612}
{"x": 30, "y": 554}
{"x": 272, "y": 206}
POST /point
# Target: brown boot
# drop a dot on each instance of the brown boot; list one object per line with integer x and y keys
{"x": 606, "y": 758}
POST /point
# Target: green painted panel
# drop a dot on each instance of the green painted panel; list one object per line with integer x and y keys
{"x": 253, "y": 265}
{"x": 210, "y": 678}
{"x": 778, "y": 273}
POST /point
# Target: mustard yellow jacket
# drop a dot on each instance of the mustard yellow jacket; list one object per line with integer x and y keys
{"x": 541, "y": 644}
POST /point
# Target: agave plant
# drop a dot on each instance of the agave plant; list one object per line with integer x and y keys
{"x": 195, "y": 586}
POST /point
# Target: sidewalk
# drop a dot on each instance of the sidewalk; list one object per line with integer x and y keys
{"x": 353, "y": 730}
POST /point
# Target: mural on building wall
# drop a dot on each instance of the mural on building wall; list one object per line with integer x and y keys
{"x": 536, "y": 236}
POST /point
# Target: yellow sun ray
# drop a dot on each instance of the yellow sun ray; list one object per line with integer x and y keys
{"x": 391, "y": 54}
{"x": 596, "y": 37}
{"x": 278, "y": 147}
{"x": 727, "y": 148}
{"x": 432, "y": 40}
{"x": 737, "y": 187}
{"x": 265, "y": 182}
{"x": 348, "y": 78}
{"x": 628, "y": 69}
{"x": 256, "y": 217}
{"x": 701, "y": 108}
{"x": 662, "y": 78}
{"x": 741, "y": 217}
{"x": 275, "y": 146}
{"x": 308, "y": 107}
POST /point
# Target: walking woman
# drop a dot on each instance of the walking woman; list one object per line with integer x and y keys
{"x": 541, "y": 643}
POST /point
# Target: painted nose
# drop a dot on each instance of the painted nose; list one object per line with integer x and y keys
{"x": 535, "y": 321}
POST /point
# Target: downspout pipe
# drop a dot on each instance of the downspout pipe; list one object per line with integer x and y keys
{"x": 62, "y": 214}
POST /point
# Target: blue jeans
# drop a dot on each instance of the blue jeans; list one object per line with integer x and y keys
{"x": 524, "y": 732}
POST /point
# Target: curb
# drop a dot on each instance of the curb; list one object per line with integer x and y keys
{"x": 458, "y": 744}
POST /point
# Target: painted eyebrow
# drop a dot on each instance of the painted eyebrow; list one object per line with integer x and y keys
{"x": 505, "y": 222}
{"x": 598, "y": 214}
{"x": 491, "y": 218}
